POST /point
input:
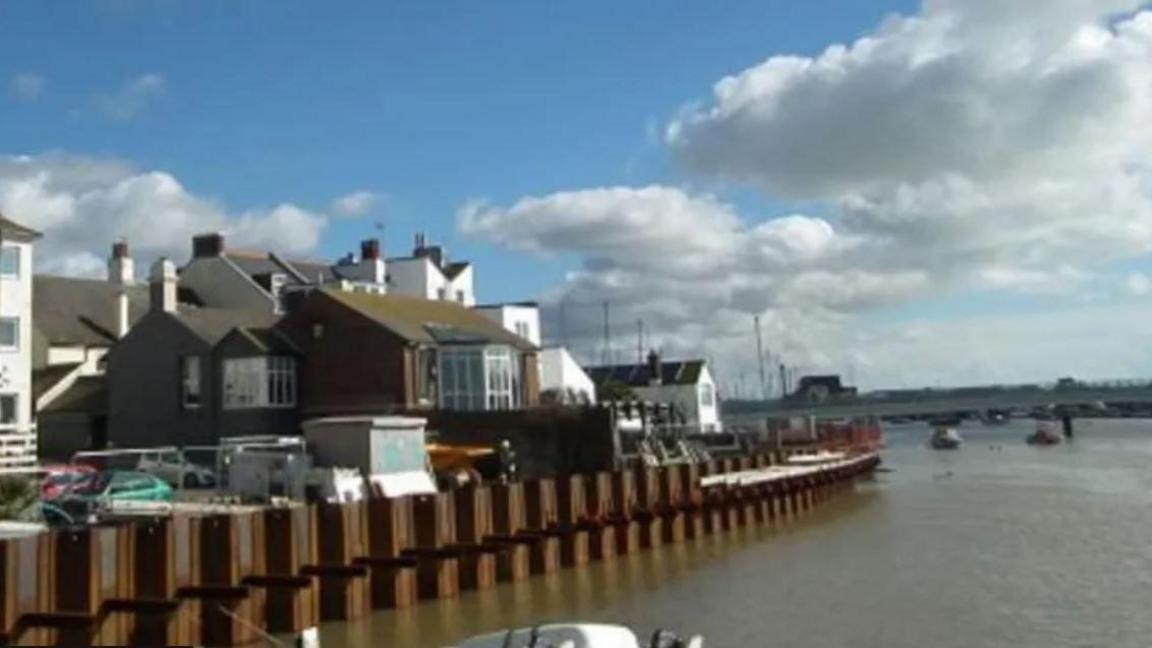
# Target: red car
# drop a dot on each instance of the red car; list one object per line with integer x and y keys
{"x": 60, "y": 478}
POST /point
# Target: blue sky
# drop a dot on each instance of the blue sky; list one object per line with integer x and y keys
{"x": 946, "y": 169}
{"x": 431, "y": 103}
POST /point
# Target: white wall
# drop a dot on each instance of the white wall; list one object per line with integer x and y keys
{"x": 16, "y": 364}
{"x": 510, "y": 315}
{"x": 415, "y": 278}
{"x": 560, "y": 371}
{"x": 708, "y": 416}
{"x": 463, "y": 283}
{"x": 687, "y": 398}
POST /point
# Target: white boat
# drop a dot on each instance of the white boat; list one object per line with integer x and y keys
{"x": 945, "y": 438}
{"x": 577, "y": 635}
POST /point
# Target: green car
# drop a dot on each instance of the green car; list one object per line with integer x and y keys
{"x": 120, "y": 486}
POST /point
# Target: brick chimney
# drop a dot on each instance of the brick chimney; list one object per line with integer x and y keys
{"x": 206, "y": 246}
{"x": 162, "y": 286}
{"x": 370, "y": 268}
{"x": 370, "y": 249}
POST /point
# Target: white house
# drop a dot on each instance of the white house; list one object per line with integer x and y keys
{"x": 17, "y": 429}
{"x": 686, "y": 385}
{"x": 429, "y": 275}
{"x": 560, "y": 374}
{"x": 523, "y": 318}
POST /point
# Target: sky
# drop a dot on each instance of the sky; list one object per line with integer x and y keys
{"x": 939, "y": 193}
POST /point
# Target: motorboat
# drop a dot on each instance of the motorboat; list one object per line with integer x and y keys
{"x": 945, "y": 438}
{"x": 577, "y": 635}
{"x": 1044, "y": 436}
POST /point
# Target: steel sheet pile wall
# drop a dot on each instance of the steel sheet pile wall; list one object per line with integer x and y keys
{"x": 224, "y": 578}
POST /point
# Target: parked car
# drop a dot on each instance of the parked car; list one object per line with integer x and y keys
{"x": 174, "y": 467}
{"x": 59, "y": 478}
{"x": 119, "y": 485}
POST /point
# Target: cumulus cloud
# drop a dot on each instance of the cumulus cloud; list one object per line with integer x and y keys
{"x": 28, "y": 87}
{"x": 1138, "y": 284}
{"x": 84, "y": 203}
{"x": 357, "y": 203}
{"x": 132, "y": 98}
{"x": 976, "y": 145}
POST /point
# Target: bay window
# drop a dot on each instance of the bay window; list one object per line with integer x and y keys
{"x": 266, "y": 381}
{"x": 480, "y": 378}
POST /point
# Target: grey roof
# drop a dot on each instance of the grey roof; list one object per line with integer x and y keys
{"x": 13, "y": 231}
{"x": 212, "y": 324}
{"x": 71, "y": 311}
{"x": 298, "y": 272}
{"x": 88, "y": 395}
{"x": 453, "y": 270}
{"x": 685, "y": 372}
{"x": 48, "y": 377}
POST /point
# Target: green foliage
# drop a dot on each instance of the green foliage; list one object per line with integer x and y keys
{"x": 615, "y": 391}
{"x": 17, "y": 494}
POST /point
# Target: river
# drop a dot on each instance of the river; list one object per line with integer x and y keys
{"x": 997, "y": 544}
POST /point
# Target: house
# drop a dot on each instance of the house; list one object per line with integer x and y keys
{"x": 189, "y": 375}
{"x": 17, "y": 429}
{"x": 522, "y": 318}
{"x": 686, "y": 385}
{"x": 225, "y": 278}
{"x": 74, "y": 324}
{"x": 563, "y": 380}
{"x": 428, "y": 274}
{"x": 371, "y": 353}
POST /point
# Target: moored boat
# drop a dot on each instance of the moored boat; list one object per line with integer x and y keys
{"x": 945, "y": 438}
{"x": 1043, "y": 436}
{"x": 578, "y": 635}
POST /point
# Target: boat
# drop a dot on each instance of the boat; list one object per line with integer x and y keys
{"x": 1043, "y": 436}
{"x": 945, "y": 438}
{"x": 578, "y": 635}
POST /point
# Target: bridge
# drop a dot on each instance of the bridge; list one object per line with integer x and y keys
{"x": 927, "y": 402}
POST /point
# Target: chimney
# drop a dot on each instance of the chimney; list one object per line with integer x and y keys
{"x": 207, "y": 245}
{"x": 655, "y": 376}
{"x": 121, "y": 267}
{"x": 370, "y": 267}
{"x": 162, "y": 286}
{"x": 370, "y": 249}
{"x": 123, "y": 318}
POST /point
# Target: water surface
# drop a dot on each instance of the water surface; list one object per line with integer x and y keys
{"x": 997, "y": 544}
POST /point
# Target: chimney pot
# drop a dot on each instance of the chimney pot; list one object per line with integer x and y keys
{"x": 121, "y": 268}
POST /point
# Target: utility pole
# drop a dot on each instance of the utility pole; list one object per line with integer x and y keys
{"x": 607, "y": 338}
{"x": 640, "y": 341}
{"x": 783, "y": 380}
{"x": 760, "y": 358}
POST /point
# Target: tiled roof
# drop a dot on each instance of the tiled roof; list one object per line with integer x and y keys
{"x": 48, "y": 377}
{"x": 427, "y": 320}
{"x": 70, "y": 311}
{"x": 685, "y": 372}
{"x": 298, "y": 272}
{"x": 453, "y": 270}
{"x": 13, "y": 231}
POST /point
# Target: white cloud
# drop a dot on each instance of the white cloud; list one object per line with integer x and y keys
{"x": 28, "y": 87}
{"x": 978, "y": 145}
{"x": 133, "y": 98}
{"x": 357, "y": 203}
{"x": 1138, "y": 284}
{"x": 83, "y": 204}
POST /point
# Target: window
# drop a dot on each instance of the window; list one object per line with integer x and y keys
{"x": 441, "y": 294}
{"x": 707, "y": 395}
{"x": 190, "y": 381}
{"x": 426, "y": 375}
{"x": 480, "y": 379}
{"x": 460, "y": 296}
{"x": 8, "y": 404}
{"x": 9, "y": 261}
{"x": 9, "y": 333}
{"x": 522, "y": 330}
{"x": 259, "y": 382}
